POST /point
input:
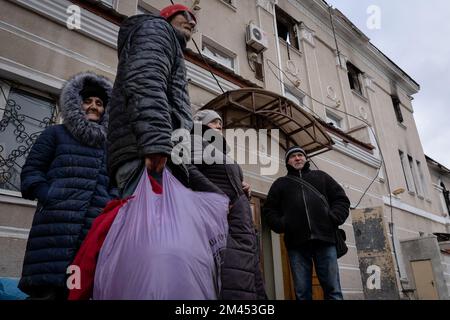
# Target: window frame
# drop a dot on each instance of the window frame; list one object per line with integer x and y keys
{"x": 414, "y": 175}
{"x": 331, "y": 117}
{"x": 290, "y": 24}
{"x": 354, "y": 78}
{"x": 230, "y": 3}
{"x": 421, "y": 177}
{"x": 444, "y": 197}
{"x": 397, "y": 109}
{"x": 406, "y": 172}
{"x": 145, "y": 8}
{"x": 215, "y": 47}
{"x": 34, "y": 93}
{"x": 290, "y": 91}
{"x": 108, "y": 3}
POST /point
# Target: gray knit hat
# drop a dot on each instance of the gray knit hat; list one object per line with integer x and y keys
{"x": 206, "y": 116}
{"x": 292, "y": 150}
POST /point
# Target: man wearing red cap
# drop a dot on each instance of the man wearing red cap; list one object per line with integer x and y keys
{"x": 150, "y": 98}
{"x": 181, "y": 18}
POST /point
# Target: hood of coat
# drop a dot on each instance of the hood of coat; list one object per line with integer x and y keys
{"x": 130, "y": 24}
{"x": 74, "y": 118}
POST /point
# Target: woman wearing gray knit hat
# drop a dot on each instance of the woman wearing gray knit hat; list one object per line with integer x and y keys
{"x": 240, "y": 273}
{"x": 208, "y": 118}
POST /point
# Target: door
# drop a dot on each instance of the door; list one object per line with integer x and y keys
{"x": 255, "y": 205}
{"x": 288, "y": 281}
{"x": 424, "y": 280}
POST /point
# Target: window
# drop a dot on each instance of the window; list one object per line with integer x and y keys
{"x": 333, "y": 119}
{"x": 108, "y": 3}
{"x": 219, "y": 54}
{"x": 287, "y": 28}
{"x": 294, "y": 95}
{"x": 445, "y": 198}
{"x": 414, "y": 174}
{"x": 422, "y": 184}
{"x": 230, "y": 2}
{"x": 147, "y": 9}
{"x": 23, "y": 116}
{"x": 354, "y": 78}
{"x": 406, "y": 172}
{"x": 397, "y": 109}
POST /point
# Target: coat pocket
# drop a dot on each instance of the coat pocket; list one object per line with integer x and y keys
{"x": 49, "y": 199}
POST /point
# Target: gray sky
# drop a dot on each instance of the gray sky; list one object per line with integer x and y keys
{"x": 415, "y": 34}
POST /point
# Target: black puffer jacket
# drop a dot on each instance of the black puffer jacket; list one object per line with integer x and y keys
{"x": 150, "y": 97}
{"x": 299, "y": 213}
{"x": 240, "y": 273}
{"x": 66, "y": 172}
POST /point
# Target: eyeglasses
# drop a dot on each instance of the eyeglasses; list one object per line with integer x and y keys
{"x": 189, "y": 16}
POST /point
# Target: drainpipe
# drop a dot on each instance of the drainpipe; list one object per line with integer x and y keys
{"x": 276, "y": 246}
{"x": 277, "y": 44}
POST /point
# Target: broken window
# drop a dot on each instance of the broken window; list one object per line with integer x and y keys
{"x": 446, "y": 198}
{"x": 354, "y": 78}
{"x": 422, "y": 182}
{"x": 414, "y": 175}
{"x": 397, "y": 108}
{"x": 407, "y": 171}
{"x": 287, "y": 28}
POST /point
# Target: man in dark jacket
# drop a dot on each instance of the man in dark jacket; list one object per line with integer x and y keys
{"x": 308, "y": 215}
{"x": 66, "y": 172}
{"x": 150, "y": 98}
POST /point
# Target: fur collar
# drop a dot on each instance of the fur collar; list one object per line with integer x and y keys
{"x": 87, "y": 132}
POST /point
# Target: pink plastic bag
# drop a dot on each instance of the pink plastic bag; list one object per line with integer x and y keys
{"x": 164, "y": 246}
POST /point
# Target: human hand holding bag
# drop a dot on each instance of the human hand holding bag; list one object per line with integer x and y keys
{"x": 164, "y": 246}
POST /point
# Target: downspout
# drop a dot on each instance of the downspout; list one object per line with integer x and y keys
{"x": 277, "y": 44}
{"x": 330, "y": 10}
{"x": 276, "y": 246}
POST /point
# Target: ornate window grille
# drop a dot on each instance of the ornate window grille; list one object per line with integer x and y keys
{"x": 23, "y": 116}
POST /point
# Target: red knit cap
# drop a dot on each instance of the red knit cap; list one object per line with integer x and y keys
{"x": 172, "y": 10}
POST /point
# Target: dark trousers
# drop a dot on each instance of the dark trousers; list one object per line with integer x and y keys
{"x": 323, "y": 255}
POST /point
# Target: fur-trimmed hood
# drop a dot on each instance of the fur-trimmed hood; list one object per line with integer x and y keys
{"x": 87, "y": 132}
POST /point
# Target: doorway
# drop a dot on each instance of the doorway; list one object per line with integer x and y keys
{"x": 424, "y": 279}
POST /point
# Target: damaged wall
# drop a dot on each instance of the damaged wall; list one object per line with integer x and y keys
{"x": 374, "y": 254}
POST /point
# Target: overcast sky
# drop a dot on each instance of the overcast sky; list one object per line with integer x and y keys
{"x": 415, "y": 34}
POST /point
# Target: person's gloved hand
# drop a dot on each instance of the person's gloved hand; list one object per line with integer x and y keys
{"x": 155, "y": 162}
{"x": 247, "y": 189}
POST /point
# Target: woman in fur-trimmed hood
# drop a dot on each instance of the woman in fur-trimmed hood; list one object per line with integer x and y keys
{"x": 66, "y": 172}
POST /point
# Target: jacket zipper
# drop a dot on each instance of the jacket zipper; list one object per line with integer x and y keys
{"x": 306, "y": 207}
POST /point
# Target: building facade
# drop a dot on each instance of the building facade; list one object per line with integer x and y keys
{"x": 300, "y": 49}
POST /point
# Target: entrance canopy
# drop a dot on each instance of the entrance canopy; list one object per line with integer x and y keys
{"x": 262, "y": 109}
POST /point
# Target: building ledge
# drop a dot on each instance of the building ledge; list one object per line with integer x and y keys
{"x": 346, "y": 137}
{"x": 101, "y": 10}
